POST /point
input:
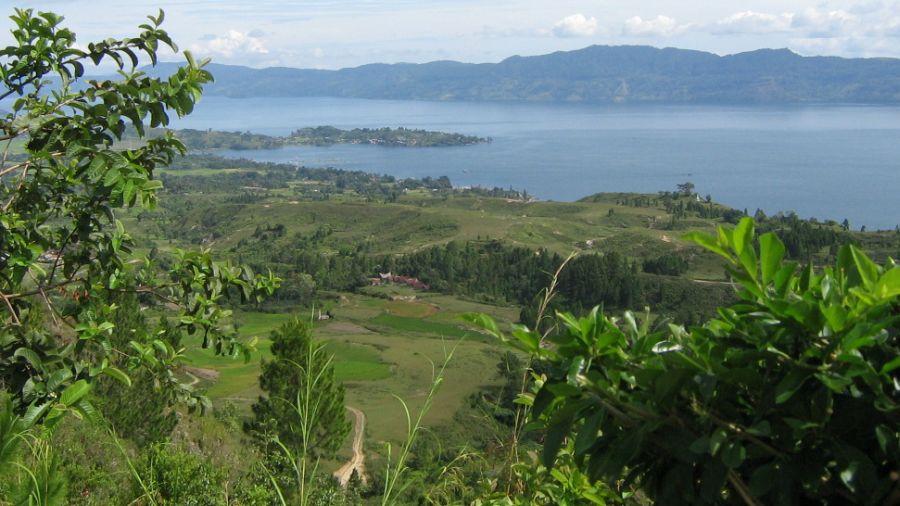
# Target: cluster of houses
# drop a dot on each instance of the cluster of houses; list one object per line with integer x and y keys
{"x": 398, "y": 141}
{"x": 384, "y": 278}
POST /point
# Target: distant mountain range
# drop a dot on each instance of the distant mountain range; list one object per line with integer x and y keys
{"x": 596, "y": 74}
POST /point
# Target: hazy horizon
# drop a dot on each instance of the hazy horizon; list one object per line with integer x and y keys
{"x": 332, "y": 34}
{"x": 544, "y": 54}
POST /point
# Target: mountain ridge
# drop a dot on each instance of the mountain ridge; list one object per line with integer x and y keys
{"x": 595, "y": 74}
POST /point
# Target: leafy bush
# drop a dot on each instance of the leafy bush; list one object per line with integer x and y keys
{"x": 61, "y": 246}
{"x": 176, "y": 477}
{"x": 790, "y": 396}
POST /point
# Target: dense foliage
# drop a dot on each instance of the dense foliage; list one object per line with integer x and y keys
{"x": 153, "y": 423}
{"x": 69, "y": 284}
{"x": 62, "y": 247}
{"x": 788, "y": 397}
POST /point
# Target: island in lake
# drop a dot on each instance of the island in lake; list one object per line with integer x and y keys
{"x": 324, "y": 136}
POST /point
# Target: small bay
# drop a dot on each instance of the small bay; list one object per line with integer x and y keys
{"x": 828, "y": 162}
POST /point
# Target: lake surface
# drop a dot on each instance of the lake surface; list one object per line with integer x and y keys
{"x": 830, "y": 162}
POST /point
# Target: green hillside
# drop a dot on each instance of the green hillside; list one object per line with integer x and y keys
{"x": 264, "y": 214}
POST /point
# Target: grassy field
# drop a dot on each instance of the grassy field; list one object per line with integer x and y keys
{"x": 415, "y": 222}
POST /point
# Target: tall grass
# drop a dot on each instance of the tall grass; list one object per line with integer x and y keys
{"x": 394, "y": 481}
{"x": 308, "y": 407}
{"x": 522, "y": 410}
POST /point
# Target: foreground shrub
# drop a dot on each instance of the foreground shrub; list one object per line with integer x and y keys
{"x": 790, "y": 396}
{"x": 176, "y": 477}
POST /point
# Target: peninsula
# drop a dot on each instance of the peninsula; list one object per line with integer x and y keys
{"x": 324, "y": 136}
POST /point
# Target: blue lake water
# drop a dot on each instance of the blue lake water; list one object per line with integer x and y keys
{"x": 830, "y": 162}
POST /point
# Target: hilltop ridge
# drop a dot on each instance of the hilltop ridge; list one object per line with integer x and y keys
{"x": 595, "y": 74}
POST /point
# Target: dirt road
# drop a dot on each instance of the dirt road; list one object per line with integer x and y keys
{"x": 358, "y": 461}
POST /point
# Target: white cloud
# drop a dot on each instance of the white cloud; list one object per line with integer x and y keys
{"x": 868, "y": 31}
{"x": 865, "y": 28}
{"x": 824, "y": 24}
{"x": 233, "y": 43}
{"x": 750, "y": 22}
{"x": 659, "y": 26}
{"x": 576, "y": 25}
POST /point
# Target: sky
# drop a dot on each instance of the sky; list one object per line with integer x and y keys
{"x": 333, "y": 34}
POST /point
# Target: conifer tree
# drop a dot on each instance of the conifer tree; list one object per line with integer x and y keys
{"x": 299, "y": 382}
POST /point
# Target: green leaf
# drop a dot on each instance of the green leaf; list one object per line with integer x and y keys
{"x": 763, "y": 428}
{"x": 836, "y": 316}
{"x": 885, "y": 437}
{"x": 542, "y": 400}
{"x": 117, "y": 374}
{"x": 531, "y": 341}
{"x": 715, "y": 441}
{"x": 128, "y": 193}
{"x": 86, "y": 409}
{"x": 34, "y": 413}
{"x": 835, "y": 383}
{"x": 857, "y": 470}
{"x": 708, "y": 242}
{"x": 553, "y": 441}
{"x": 190, "y": 59}
{"x": 526, "y": 399}
{"x": 570, "y": 321}
{"x": 789, "y": 385}
{"x": 771, "y": 253}
{"x": 74, "y": 392}
{"x": 888, "y": 285}
{"x": 742, "y": 237}
{"x": 763, "y": 480}
{"x": 587, "y": 436}
{"x": 867, "y": 269}
{"x": 57, "y": 378}
{"x": 784, "y": 276}
{"x": 700, "y": 445}
{"x": 112, "y": 178}
{"x": 890, "y": 366}
{"x": 594, "y": 498}
{"x": 152, "y": 185}
{"x": 30, "y": 356}
{"x": 734, "y": 454}
{"x": 575, "y": 369}
{"x": 483, "y": 322}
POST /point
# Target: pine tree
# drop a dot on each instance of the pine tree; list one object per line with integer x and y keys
{"x": 300, "y": 392}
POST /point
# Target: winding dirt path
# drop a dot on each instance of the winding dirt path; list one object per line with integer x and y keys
{"x": 358, "y": 461}
{"x": 198, "y": 373}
